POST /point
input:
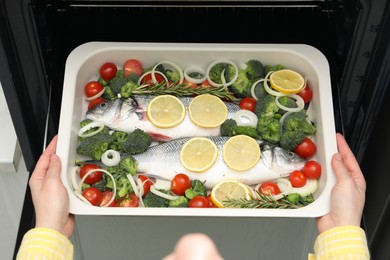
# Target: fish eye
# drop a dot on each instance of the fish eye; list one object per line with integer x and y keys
{"x": 289, "y": 154}
{"x": 103, "y": 105}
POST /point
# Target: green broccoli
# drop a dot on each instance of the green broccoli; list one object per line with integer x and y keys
{"x": 129, "y": 164}
{"x": 172, "y": 75}
{"x": 136, "y": 142}
{"x": 298, "y": 199}
{"x": 127, "y": 89}
{"x": 246, "y": 130}
{"x": 101, "y": 185}
{"x": 123, "y": 186}
{"x": 197, "y": 189}
{"x": 181, "y": 202}
{"x": 85, "y": 122}
{"x": 298, "y": 121}
{"x": 290, "y": 139}
{"x": 117, "y": 83}
{"x": 85, "y": 186}
{"x": 119, "y": 137}
{"x": 259, "y": 91}
{"x": 108, "y": 93}
{"x": 95, "y": 145}
{"x": 276, "y": 67}
{"x": 227, "y": 127}
{"x": 266, "y": 107}
{"x": 269, "y": 129}
{"x": 229, "y": 72}
{"x": 216, "y": 71}
{"x": 287, "y": 102}
{"x": 133, "y": 78}
{"x": 254, "y": 70}
{"x": 153, "y": 200}
{"x": 242, "y": 86}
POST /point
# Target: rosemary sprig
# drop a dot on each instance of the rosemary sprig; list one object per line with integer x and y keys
{"x": 182, "y": 90}
{"x": 290, "y": 201}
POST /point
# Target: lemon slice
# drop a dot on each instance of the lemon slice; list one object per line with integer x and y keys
{"x": 165, "y": 111}
{"x": 287, "y": 81}
{"x": 207, "y": 111}
{"x": 241, "y": 152}
{"x": 198, "y": 154}
{"x": 228, "y": 190}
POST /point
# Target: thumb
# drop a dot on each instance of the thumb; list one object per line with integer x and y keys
{"x": 54, "y": 169}
{"x": 339, "y": 168}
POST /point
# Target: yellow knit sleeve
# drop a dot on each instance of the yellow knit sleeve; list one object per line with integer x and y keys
{"x": 45, "y": 243}
{"x": 345, "y": 242}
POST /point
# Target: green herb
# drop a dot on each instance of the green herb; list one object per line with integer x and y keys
{"x": 290, "y": 201}
{"x": 182, "y": 90}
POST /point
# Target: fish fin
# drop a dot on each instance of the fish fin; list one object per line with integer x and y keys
{"x": 159, "y": 137}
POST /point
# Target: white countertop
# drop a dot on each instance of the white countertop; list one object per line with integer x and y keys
{"x": 10, "y": 151}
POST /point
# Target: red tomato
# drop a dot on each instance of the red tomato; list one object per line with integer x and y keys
{"x": 93, "y": 177}
{"x": 107, "y": 195}
{"x": 198, "y": 202}
{"x": 132, "y": 67}
{"x": 108, "y": 71}
{"x": 297, "y": 179}
{"x": 147, "y": 79}
{"x": 93, "y": 88}
{"x": 206, "y": 84}
{"x": 129, "y": 201}
{"x": 147, "y": 182}
{"x": 306, "y": 94}
{"x": 95, "y": 102}
{"x": 93, "y": 195}
{"x": 312, "y": 170}
{"x": 269, "y": 188}
{"x": 211, "y": 203}
{"x": 248, "y": 103}
{"x": 180, "y": 183}
{"x": 190, "y": 84}
{"x": 306, "y": 149}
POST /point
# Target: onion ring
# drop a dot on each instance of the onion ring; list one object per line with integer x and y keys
{"x": 154, "y": 81}
{"x": 162, "y": 194}
{"x": 253, "y": 88}
{"x": 299, "y": 101}
{"x": 111, "y": 158}
{"x": 89, "y": 126}
{"x": 188, "y": 70}
{"x": 226, "y": 84}
{"x": 97, "y": 95}
{"x": 245, "y": 117}
{"x": 173, "y": 65}
{"x": 268, "y": 89}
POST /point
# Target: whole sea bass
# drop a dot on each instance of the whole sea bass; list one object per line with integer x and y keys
{"x": 163, "y": 161}
{"x": 128, "y": 114}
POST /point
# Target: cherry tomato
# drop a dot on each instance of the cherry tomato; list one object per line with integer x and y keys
{"x": 147, "y": 79}
{"x": 93, "y": 177}
{"x": 269, "y": 188}
{"x": 206, "y": 84}
{"x": 190, "y": 84}
{"x": 107, "y": 195}
{"x": 198, "y": 202}
{"x": 132, "y": 66}
{"x": 108, "y": 71}
{"x": 248, "y": 103}
{"x": 129, "y": 201}
{"x": 95, "y": 102}
{"x": 93, "y": 88}
{"x": 312, "y": 170}
{"x": 297, "y": 179}
{"x": 211, "y": 203}
{"x": 147, "y": 182}
{"x": 306, "y": 94}
{"x": 180, "y": 183}
{"x": 93, "y": 195}
{"x": 306, "y": 149}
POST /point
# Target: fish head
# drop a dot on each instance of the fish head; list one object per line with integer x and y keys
{"x": 281, "y": 160}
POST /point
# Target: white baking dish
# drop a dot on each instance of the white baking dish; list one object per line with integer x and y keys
{"x": 84, "y": 63}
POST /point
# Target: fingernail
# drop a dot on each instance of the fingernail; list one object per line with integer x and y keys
{"x": 54, "y": 157}
{"x": 338, "y": 157}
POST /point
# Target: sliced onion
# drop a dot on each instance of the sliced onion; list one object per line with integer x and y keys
{"x": 113, "y": 183}
{"x": 226, "y": 84}
{"x": 268, "y": 89}
{"x": 284, "y": 186}
{"x": 284, "y": 117}
{"x": 243, "y": 66}
{"x": 162, "y": 194}
{"x": 253, "y": 88}
{"x": 154, "y": 81}
{"x": 74, "y": 174}
{"x": 140, "y": 187}
{"x": 132, "y": 182}
{"x": 310, "y": 187}
{"x": 245, "y": 117}
{"x": 188, "y": 70}
{"x": 91, "y": 125}
{"x": 111, "y": 158}
{"x": 81, "y": 197}
{"x": 162, "y": 184}
{"x": 173, "y": 65}
{"x": 298, "y": 100}
{"x": 96, "y": 96}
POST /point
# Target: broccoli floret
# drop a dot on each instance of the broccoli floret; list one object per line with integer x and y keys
{"x": 116, "y": 84}
{"x": 290, "y": 139}
{"x": 85, "y": 186}
{"x": 172, "y": 75}
{"x": 153, "y": 200}
{"x": 266, "y": 107}
{"x": 259, "y": 91}
{"x": 287, "y": 102}
{"x": 108, "y": 93}
{"x": 298, "y": 121}
{"x": 101, "y": 185}
{"x": 129, "y": 164}
{"x": 242, "y": 86}
{"x": 197, "y": 189}
{"x": 123, "y": 186}
{"x": 181, "y": 202}
{"x": 136, "y": 142}
{"x": 119, "y": 137}
{"x": 216, "y": 71}
{"x": 246, "y": 130}
{"x": 128, "y": 88}
{"x": 276, "y": 67}
{"x": 298, "y": 199}
{"x": 85, "y": 122}
{"x": 229, "y": 72}
{"x": 254, "y": 70}
{"x": 269, "y": 129}
{"x": 95, "y": 145}
{"x": 227, "y": 127}
{"x": 133, "y": 77}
